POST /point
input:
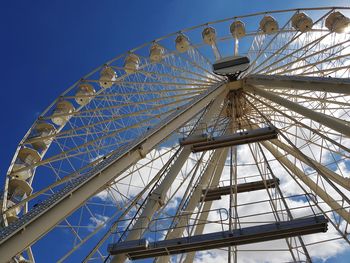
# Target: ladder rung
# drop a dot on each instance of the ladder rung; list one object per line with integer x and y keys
{"x": 239, "y": 138}
{"x": 216, "y": 193}
{"x": 193, "y": 139}
{"x": 248, "y": 235}
{"x": 129, "y": 246}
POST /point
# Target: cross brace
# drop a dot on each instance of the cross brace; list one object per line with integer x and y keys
{"x": 239, "y": 138}
{"x": 139, "y": 249}
{"x": 216, "y": 193}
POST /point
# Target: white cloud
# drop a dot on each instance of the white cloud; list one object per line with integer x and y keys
{"x": 96, "y": 221}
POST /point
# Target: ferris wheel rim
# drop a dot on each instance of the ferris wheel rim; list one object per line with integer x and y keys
{"x": 149, "y": 43}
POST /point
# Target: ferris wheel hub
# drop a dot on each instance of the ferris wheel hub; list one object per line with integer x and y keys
{"x": 231, "y": 66}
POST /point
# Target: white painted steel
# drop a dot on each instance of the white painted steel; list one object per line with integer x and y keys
{"x": 298, "y": 80}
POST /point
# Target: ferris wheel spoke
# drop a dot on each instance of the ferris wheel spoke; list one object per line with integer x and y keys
{"x": 131, "y": 202}
{"x": 331, "y": 85}
{"x": 135, "y": 91}
{"x": 321, "y": 118}
{"x": 158, "y": 76}
{"x": 309, "y": 45}
{"x": 309, "y": 68}
{"x": 141, "y": 102}
{"x": 154, "y": 83}
{"x": 307, "y": 127}
{"x": 343, "y": 181}
{"x": 261, "y": 51}
{"x": 195, "y": 52}
{"x": 63, "y": 154}
{"x": 193, "y": 62}
{"x": 113, "y": 226}
{"x": 330, "y": 100}
{"x": 305, "y": 56}
{"x": 68, "y": 132}
{"x": 50, "y": 187}
{"x": 210, "y": 78}
{"x": 87, "y": 238}
{"x": 327, "y": 72}
{"x": 283, "y": 48}
{"x": 314, "y": 60}
{"x": 324, "y": 149}
{"x": 322, "y": 171}
{"x": 172, "y": 123}
{"x": 208, "y": 75}
{"x": 113, "y": 160}
{"x": 339, "y": 179}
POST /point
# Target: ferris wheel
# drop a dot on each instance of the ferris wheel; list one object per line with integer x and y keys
{"x": 224, "y": 141}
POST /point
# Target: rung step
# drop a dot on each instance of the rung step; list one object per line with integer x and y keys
{"x": 251, "y": 136}
{"x": 193, "y": 139}
{"x": 216, "y": 193}
{"x": 248, "y": 235}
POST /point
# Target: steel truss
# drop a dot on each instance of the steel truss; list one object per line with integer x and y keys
{"x": 168, "y": 160}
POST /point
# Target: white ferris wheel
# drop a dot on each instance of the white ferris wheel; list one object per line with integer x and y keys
{"x": 224, "y": 141}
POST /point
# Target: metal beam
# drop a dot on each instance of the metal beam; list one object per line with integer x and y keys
{"x": 206, "y": 207}
{"x": 328, "y": 121}
{"x": 308, "y": 181}
{"x": 139, "y": 249}
{"x": 196, "y": 196}
{"x": 239, "y": 138}
{"x": 30, "y": 227}
{"x": 156, "y": 198}
{"x": 334, "y": 85}
{"x": 212, "y": 194}
{"x": 342, "y": 181}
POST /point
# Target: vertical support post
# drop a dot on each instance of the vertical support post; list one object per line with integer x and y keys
{"x": 216, "y": 51}
{"x": 207, "y": 205}
{"x": 236, "y": 47}
{"x": 195, "y": 197}
{"x": 157, "y": 196}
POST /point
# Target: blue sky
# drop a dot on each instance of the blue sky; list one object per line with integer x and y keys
{"x": 48, "y": 45}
